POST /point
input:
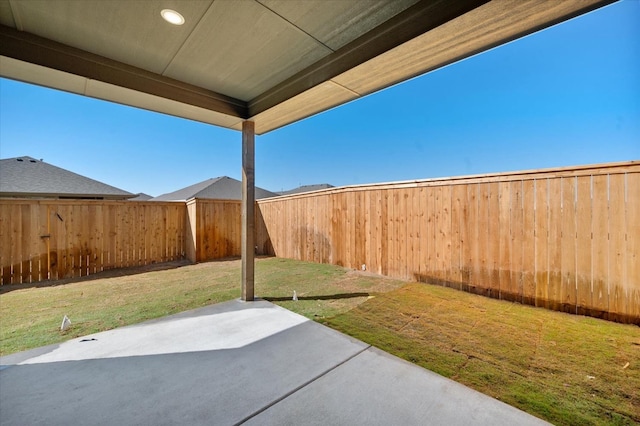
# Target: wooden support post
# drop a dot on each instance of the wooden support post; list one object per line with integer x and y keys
{"x": 248, "y": 209}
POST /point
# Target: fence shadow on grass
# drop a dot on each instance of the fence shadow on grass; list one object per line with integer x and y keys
{"x": 323, "y": 297}
{"x": 108, "y": 273}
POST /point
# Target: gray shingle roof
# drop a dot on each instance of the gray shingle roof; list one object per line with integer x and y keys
{"x": 220, "y": 188}
{"x": 307, "y": 188}
{"x": 28, "y": 177}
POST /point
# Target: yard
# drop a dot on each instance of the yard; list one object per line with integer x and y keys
{"x": 565, "y": 369}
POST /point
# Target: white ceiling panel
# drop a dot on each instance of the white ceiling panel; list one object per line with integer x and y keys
{"x": 132, "y": 32}
{"x": 243, "y": 51}
{"x": 349, "y": 19}
{"x": 6, "y": 15}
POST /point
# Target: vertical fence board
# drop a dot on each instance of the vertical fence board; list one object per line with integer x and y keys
{"x": 568, "y": 245}
{"x": 474, "y": 249}
{"x": 312, "y": 238}
{"x": 542, "y": 242}
{"x": 617, "y": 247}
{"x": 16, "y": 244}
{"x": 25, "y": 254}
{"x": 484, "y": 282}
{"x": 92, "y": 230}
{"x": 376, "y": 231}
{"x": 633, "y": 244}
{"x": 5, "y": 247}
{"x": 493, "y": 234}
{"x": 336, "y": 234}
{"x": 504, "y": 219}
{"x": 438, "y": 241}
{"x": 396, "y": 242}
{"x": 358, "y": 234}
{"x": 528, "y": 243}
{"x": 147, "y": 234}
{"x": 384, "y": 232}
{"x": 600, "y": 245}
{"x": 516, "y": 240}
{"x": 457, "y": 196}
{"x": 35, "y": 243}
{"x": 430, "y": 236}
{"x": 445, "y": 221}
{"x": 351, "y": 211}
{"x": 583, "y": 244}
{"x": 555, "y": 251}
{"x": 52, "y": 244}
{"x": 414, "y": 223}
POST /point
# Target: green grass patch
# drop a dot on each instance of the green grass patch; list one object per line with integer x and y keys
{"x": 31, "y": 316}
{"x": 566, "y": 369}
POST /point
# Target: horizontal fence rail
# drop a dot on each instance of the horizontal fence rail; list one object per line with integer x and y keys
{"x": 566, "y": 239}
{"x": 54, "y": 239}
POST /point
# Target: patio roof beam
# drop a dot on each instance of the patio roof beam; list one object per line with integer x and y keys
{"x": 407, "y": 25}
{"x": 37, "y": 50}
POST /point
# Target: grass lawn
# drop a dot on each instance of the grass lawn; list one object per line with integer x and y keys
{"x": 562, "y": 368}
{"x": 566, "y": 369}
{"x": 31, "y": 316}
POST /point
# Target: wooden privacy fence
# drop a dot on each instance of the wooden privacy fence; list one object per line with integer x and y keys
{"x": 214, "y": 229}
{"x": 53, "y": 239}
{"x": 566, "y": 239}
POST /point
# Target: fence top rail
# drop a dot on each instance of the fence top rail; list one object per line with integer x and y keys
{"x": 212, "y": 201}
{"x": 572, "y": 171}
{"x": 70, "y": 202}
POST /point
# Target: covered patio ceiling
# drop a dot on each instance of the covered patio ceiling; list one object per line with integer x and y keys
{"x": 272, "y": 62}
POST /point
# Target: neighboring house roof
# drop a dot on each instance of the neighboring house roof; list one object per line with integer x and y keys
{"x": 26, "y": 177}
{"x": 220, "y": 188}
{"x": 307, "y": 188}
{"x": 141, "y": 196}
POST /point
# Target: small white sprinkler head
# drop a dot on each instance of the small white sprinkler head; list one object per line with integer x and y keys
{"x": 295, "y": 295}
{"x": 66, "y": 323}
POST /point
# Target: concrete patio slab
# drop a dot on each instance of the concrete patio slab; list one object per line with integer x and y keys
{"x": 232, "y": 363}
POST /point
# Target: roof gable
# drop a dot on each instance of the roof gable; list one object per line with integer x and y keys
{"x": 307, "y": 188}
{"x": 220, "y": 188}
{"x": 28, "y": 177}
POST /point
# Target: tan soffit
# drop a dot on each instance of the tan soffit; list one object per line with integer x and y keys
{"x": 271, "y": 61}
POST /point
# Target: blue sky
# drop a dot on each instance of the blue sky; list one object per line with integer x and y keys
{"x": 568, "y": 95}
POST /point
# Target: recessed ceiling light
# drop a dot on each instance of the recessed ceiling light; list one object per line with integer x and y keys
{"x": 172, "y": 17}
